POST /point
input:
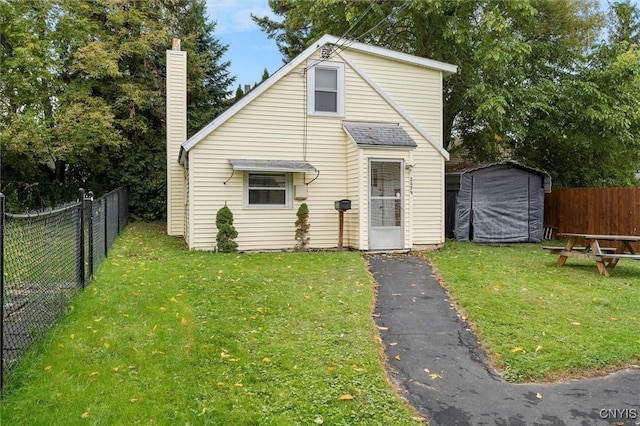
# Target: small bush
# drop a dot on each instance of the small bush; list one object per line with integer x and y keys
{"x": 302, "y": 227}
{"x": 226, "y": 231}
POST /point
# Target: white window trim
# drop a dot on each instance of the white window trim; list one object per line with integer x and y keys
{"x": 311, "y": 87}
{"x": 288, "y": 191}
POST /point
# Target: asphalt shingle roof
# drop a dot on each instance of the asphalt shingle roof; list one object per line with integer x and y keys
{"x": 378, "y": 134}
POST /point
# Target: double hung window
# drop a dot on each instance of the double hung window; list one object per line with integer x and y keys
{"x": 326, "y": 88}
{"x": 267, "y": 189}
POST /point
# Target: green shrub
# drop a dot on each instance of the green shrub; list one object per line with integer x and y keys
{"x": 226, "y": 231}
{"x": 302, "y": 227}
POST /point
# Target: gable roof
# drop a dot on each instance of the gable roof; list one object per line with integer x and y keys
{"x": 454, "y": 176}
{"x": 285, "y": 69}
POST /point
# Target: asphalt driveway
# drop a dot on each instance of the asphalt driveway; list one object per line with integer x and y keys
{"x": 442, "y": 371}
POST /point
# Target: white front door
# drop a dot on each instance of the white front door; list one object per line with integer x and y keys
{"x": 386, "y": 210}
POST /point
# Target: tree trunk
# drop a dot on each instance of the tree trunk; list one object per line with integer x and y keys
{"x": 61, "y": 166}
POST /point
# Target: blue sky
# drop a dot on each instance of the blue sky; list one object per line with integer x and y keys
{"x": 250, "y": 51}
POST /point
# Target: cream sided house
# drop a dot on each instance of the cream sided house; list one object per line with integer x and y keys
{"x": 342, "y": 121}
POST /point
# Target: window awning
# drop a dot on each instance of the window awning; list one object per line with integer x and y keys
{"x": 388, "y": 135}
{"x": 272, "y": 165}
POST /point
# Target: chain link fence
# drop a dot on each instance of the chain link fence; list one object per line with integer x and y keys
{"x": 45, "y": 257}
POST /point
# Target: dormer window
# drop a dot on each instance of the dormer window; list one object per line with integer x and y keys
{"x": 326, "y": 88}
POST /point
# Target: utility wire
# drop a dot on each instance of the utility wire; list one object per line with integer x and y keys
{"x": 370, "y": 30}
{"x": 345, "y": 35}
{"x": 341, "y": 46}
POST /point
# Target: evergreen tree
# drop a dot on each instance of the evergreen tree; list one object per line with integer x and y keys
{"x": 227, "y": 233}
{"x": 302, "y": 227}
{"x": 239, "y": 94}
{"x": 83, "y": 92}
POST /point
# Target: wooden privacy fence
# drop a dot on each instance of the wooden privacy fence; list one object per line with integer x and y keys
{"x": 593, "y": 211}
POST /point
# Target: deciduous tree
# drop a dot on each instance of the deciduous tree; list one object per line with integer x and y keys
{"x": 535, "y": 82}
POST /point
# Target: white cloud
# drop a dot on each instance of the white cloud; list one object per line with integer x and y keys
{"x": 234, "y": 16}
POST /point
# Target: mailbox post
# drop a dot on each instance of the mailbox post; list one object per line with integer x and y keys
{"x": 341, "y": 206}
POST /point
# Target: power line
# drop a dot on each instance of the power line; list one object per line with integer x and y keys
{"x": 341, "y": 46}
{"x": 357, "y": 21}
{"x": 393, "y": 12}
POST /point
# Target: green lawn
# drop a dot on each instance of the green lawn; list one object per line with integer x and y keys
{"x": 167, "y": 336}
{"x": 540, "y": 322}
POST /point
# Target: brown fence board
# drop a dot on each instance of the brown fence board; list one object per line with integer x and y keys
{"x": 594, "y": 211}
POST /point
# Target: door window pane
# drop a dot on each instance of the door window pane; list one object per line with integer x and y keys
{"x": 385, "y": 212}
{"x": 385, "y": 179}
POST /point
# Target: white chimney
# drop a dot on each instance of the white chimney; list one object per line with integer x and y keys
{"x": 176, "y": 136}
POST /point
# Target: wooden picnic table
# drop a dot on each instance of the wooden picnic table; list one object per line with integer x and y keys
{"x": 604, "y": 257}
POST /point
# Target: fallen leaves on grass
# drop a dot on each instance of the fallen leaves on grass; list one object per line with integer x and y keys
{"x": 345, "y": 397}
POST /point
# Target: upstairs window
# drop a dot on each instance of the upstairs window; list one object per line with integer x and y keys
{"x": 326, "y": 88}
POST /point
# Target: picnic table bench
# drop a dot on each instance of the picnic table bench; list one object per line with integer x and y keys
{"x": 605, "y": 257}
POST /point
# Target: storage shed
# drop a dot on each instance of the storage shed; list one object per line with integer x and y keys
{"x": 496, "y": 203}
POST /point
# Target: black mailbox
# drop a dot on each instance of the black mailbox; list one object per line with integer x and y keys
{"x": 343, "y": 205}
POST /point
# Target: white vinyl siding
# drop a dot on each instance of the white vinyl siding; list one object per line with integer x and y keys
{"x": 409, "y": 92}
{"x": 418, "y": 92}
{"x": 352, "y": 229}
{"x": 176, "y": 135}
{"x": 277, "y": 125}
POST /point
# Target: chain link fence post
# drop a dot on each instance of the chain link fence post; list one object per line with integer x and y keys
{"x": 90, "y": 227}
{"x": 80, "y": 238}
{"x": 106, "y": 226}
{"x": 2, "y": 211}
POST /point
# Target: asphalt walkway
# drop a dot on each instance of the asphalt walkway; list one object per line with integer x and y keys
{"x": 442, "y": 371}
